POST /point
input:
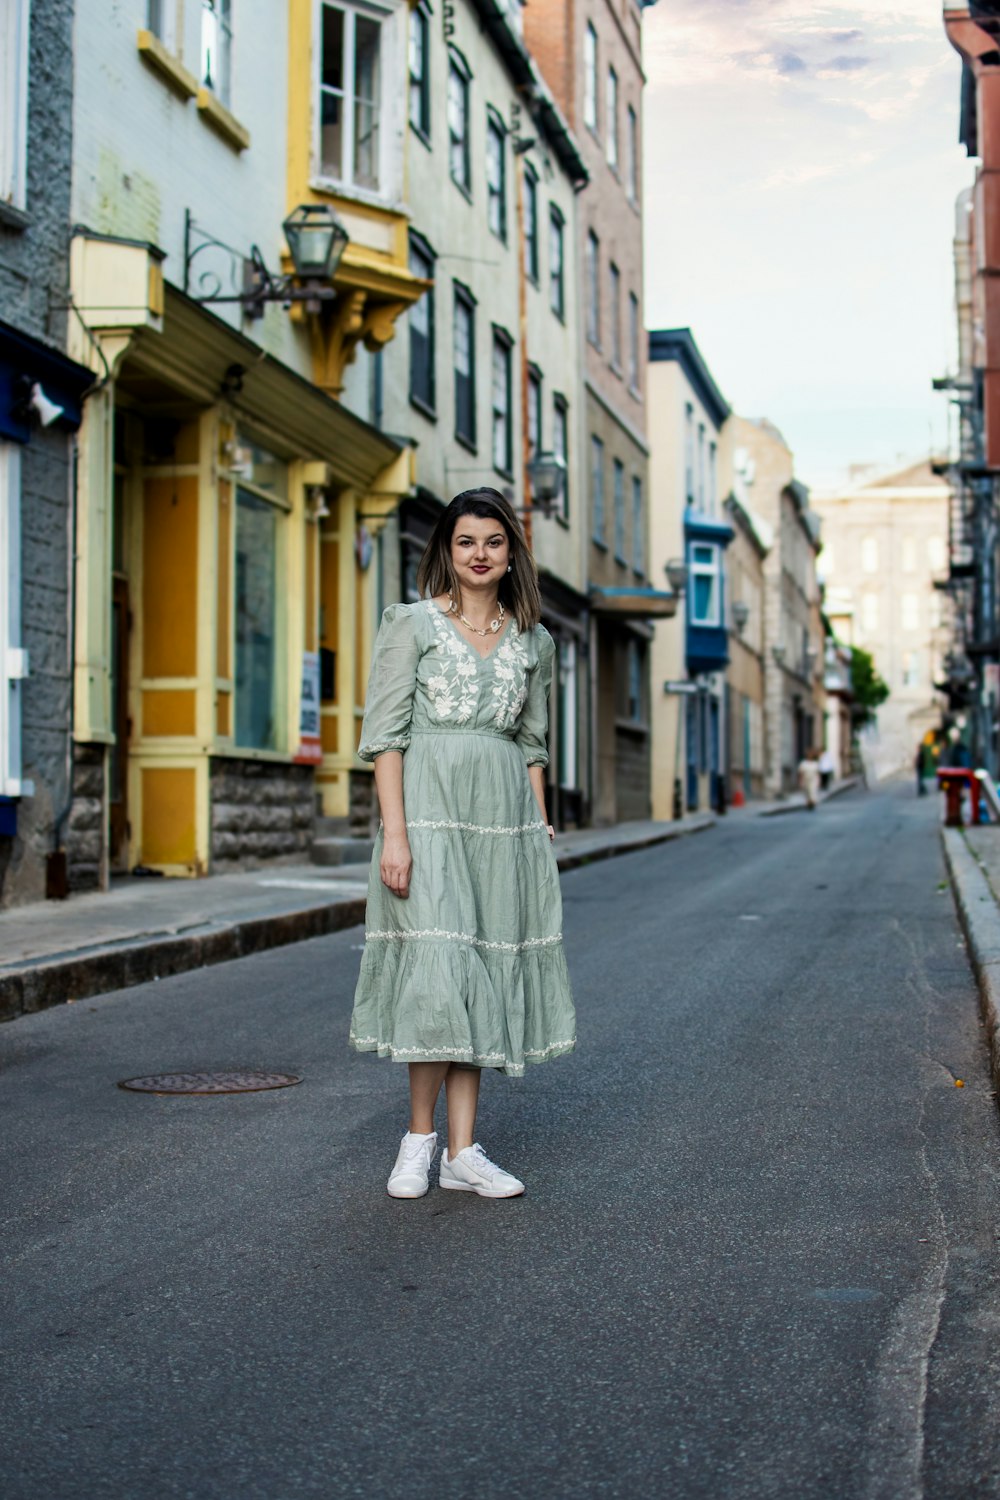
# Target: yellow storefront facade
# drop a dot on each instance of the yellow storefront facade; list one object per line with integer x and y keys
{"x": 220, "y": 588}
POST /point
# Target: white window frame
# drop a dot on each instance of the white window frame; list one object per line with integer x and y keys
{"x": 393, "y": 102}
{"x": 706, "y": 567}
{"x": 611, "y": 108}
{"x": 14, "y": 25}
{"x": 632, "y": 155}
{"x": 217, "y": 15}
{"x": 456, "y": 69}
{"x": 560, "y": 446}
{"x": 590, "y": 78}
{"x": 420, "y": 78}
{"x": 496, "y": 175}
{"x": 593, "y": 288}
{"x": 557, "y": 262}
{"x": 615, "y": 299}
{"x": 13, "y": 660}
{"x": 633, "y": 342}
{"x": 502, "y": 402}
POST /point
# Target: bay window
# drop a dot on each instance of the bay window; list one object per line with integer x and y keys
{"x": 706, "y": 584}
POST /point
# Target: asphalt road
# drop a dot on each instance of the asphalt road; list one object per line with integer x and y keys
{"x": 757, "y": 1257}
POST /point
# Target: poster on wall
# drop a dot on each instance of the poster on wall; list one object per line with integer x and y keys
{"x": 310, "y": 751}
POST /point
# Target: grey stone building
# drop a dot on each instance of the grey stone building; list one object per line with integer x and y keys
{"x": 46, "y": 839}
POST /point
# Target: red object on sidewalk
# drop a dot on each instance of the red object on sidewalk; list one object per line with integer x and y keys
{"x": 953, "y": 781}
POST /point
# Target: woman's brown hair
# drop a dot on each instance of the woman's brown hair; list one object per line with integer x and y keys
{"x": 518, "y": 590}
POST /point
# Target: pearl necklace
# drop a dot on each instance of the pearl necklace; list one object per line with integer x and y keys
{"x": 491, "y": 629}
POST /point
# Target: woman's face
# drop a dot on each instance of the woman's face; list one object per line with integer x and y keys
{"x": 480, "y": 552}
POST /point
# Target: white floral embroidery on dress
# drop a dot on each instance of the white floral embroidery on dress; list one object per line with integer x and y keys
{"x": 475, "y": 827}
{"x": 414, "y": 934}
{"x": 452, "y": 698}
{"x": 510, "y": 687}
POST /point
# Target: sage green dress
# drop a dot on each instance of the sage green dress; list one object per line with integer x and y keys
{"x": 469, "y": 968}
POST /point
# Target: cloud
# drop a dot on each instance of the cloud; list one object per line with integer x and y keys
{"x": 843, "y": 37}
{"x": 790, "y": 63}
{"x": 847, "y": 64}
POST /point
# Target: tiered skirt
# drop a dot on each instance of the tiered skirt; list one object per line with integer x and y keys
{"x": 469, "y": 968}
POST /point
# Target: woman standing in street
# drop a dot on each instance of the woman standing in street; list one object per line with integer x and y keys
{"x": 463, "y": 967}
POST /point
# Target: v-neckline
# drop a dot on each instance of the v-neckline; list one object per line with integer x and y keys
{"x": 483, "y": 656}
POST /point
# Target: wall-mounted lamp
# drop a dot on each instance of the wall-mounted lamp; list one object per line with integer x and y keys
{"x": 31, "y": 401}
{"x": 741, "y": 614}
{"x": 316, "y": 241}
{"x": 677, "y": 574}
{"x": 546, "y": 477}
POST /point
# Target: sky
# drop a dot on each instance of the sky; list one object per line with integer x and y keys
{"x": 801, "y": 170}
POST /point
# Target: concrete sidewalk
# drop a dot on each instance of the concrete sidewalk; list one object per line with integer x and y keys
{"x": 973, "y": 859}
{"x": 145, "y": 929}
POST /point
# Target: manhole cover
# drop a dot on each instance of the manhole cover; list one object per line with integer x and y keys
{"x": 239, "y": 1081}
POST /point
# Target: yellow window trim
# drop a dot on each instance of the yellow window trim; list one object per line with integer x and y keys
{"x": 221, "y": 121}
{"x": 170, "y": 68}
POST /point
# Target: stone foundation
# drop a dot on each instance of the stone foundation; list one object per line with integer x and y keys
{"x": 363, "y": 812}
{"x": 86, "y": 827}
{"x": 262, "y": 813}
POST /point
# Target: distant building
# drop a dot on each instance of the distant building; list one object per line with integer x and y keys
{"x": 591, "y": 57}
{"x": 794, "y": 699}
{"x": 885, "y": 542}
{"x": 745, "y": 675}
{"x": 688, "y": 525}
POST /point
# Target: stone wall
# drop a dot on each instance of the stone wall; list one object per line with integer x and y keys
{"x": 34, "y": 253}
{"x": 262, "y": 813}
{"x": 85, "y": 838}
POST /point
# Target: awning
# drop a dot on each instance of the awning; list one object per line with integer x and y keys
{"x": 203, "y": 358}
{"x": 634, "y": 603}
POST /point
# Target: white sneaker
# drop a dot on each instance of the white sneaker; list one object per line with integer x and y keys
{"x": 471, "y": 1171}
{"x": 408, "y": 1178}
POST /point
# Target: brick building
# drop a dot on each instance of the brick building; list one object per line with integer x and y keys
{"x": 590, "y": 52}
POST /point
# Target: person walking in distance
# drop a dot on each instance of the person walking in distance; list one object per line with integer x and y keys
{"x": 809, "y": 778}
{"x": 463, "y": 966}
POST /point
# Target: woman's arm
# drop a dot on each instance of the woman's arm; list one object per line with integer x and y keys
{"x": 396, "y": 863}
{"x": 536, "y": 775}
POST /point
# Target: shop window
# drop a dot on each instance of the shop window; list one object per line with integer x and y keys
{"x": 13, "y": 101}
{"x": 531, "y": 225}
{"x": 496, "y": 177}
{"x": 420, "y": 71}
{"x": 422, "y": 333}
{"x": 256, "y": 622}
{"x": 503, "y": 444}
{"x": 464, "y": 337}
{"x": 458, "y": 124}
{"x": 216, "y": 48}
{"x": 557, "y": 272}
{"x": 350, "y": 96}
{"x": 706, "y": 587}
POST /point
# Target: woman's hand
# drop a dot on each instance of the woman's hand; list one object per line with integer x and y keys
{"x": 396, "y": 864}
{"x": 551, "y": 833}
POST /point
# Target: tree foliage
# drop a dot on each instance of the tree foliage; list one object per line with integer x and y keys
{"x": 869, "y": 689}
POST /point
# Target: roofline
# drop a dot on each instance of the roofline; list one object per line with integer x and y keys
{"x": 678, "y": 344}
{"x": 541, "y": 103}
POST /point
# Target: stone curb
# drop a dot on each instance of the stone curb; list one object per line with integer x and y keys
{"x": 119, "y": 966}
{"x": 979, "y": 916}
{"x": 780, "y": 808}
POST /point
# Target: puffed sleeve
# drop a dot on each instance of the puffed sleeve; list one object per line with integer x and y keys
{"x": 532, "y": 730}
{"x": 391, "y": 684}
